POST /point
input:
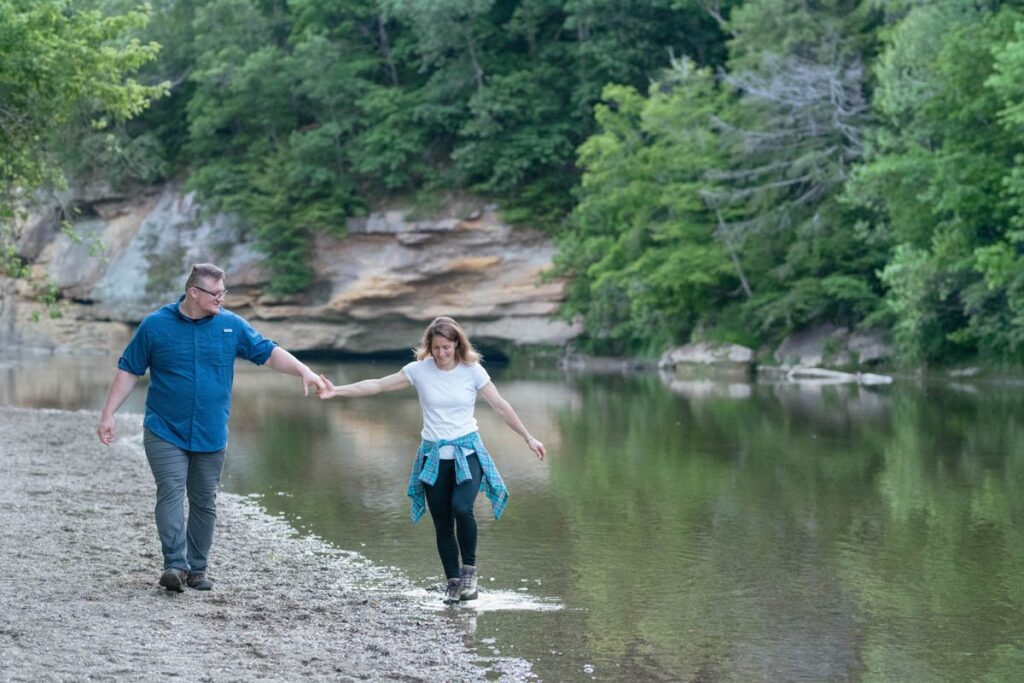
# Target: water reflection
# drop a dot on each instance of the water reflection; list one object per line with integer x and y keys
{"x": 686, "y": 531}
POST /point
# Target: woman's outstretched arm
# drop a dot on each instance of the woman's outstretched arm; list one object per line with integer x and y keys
{"x": 367, "y": 387}
{"x": 504, "y": 409}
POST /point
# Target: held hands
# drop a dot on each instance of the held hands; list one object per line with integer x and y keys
{"x": 537, "y": 447}
{"x": 326, "y": 391}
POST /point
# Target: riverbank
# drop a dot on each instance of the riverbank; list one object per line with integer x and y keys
{"x": 81, "y": 599}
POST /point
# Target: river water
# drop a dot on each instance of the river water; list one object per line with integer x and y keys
{"x": 678, "y": 531}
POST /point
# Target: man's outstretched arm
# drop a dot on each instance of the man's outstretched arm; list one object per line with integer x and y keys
{"x": 285, "y": 363}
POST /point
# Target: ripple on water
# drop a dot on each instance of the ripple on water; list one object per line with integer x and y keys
{"x": 489, "y": 601}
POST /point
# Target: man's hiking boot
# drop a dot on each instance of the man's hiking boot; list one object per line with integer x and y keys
{"x": 451, "y": 592}
{"x": 173, "y": 579}
{"x": 467, "y": 583}
{"x": 199, "y": 581}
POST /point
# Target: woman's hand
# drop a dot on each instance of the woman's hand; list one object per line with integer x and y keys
{"x": 537, "y": 447}
{"x": 327, "y": 391}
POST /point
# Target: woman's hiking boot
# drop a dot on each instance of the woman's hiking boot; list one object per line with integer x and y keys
{"x": 451, "y": 592}
{"x": 467, "y": 583}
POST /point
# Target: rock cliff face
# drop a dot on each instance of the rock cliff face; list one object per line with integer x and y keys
{"x": 374, "y": 290}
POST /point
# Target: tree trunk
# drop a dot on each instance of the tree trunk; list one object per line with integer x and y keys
{"x": 732, "y": 255}
{"x": 385, "y": 49}
{"x": 478, "y": 71}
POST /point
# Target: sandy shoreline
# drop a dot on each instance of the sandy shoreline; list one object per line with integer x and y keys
{"x": 82, "y": 560}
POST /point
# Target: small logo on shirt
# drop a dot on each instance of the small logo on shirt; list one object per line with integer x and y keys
{"x": 228, "y": 329}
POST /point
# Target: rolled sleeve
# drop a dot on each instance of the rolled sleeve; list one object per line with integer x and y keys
{"x": 135, "y": 358}
{"x": 253, "y": 346}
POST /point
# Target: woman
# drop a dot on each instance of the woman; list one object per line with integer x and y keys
{"x": 452, "y": 465}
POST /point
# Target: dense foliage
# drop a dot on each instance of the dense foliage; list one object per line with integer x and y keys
{"x": 941, "y": 180}
{"x": 720, "y": 169}
{"x": 865, "y": 172}
{"x": 58, "y": 65}
{"x": 296, "y": 115}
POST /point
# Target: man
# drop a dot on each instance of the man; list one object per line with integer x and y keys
{"x": 190, "y": 348}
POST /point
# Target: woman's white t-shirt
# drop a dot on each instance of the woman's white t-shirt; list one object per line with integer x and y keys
{"x": 447, "y": 399}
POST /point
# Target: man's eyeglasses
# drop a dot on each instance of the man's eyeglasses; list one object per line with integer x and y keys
{"x": 216, "y": 295}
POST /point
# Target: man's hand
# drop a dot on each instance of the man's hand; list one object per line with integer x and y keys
{"x": 284, "y": 362}
{"x": 311, "y": 379}
{"x": 105, "y": 430}
{"x": 119, "y": 390}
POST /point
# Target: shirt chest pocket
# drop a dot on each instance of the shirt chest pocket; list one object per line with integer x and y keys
{"x": 219, "y": 349}
{"x": 169, "y": 351}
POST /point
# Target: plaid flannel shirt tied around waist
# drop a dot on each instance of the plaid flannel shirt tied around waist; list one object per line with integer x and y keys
{"x": 428, "y": 460}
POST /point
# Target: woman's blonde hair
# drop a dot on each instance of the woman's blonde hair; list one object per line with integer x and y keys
{"x": 453, "y": 332}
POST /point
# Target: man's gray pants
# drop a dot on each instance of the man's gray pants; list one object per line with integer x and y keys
{"x": 179, "y": 472}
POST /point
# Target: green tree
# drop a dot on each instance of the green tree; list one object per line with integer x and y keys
{"x": 939, "y": 182}
{"x": 273, "y": 111}
{"x": 300, "y": 112}
{"x": 150, "y": 147}
{"x": 796, "y": 130}
{"x": 57, "y": 63}
{"x": 645, "y": 266}
{"x": 792, "y": 138}
{"x": 823, "y": 32}
{"x": 1002, "y": 262}
{"x": 765, "y": 186}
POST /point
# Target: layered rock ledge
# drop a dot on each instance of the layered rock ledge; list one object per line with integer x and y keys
{"x": 374, "y": 289}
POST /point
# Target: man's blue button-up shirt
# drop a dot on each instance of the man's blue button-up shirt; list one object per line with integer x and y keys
{"x": 192, "y": 369}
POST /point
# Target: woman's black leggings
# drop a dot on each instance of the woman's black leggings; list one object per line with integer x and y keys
{"x": 451, "y": 507}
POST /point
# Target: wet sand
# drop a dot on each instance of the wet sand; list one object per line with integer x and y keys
{"x": 82, "y": 559}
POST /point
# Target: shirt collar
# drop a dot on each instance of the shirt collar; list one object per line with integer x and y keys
{"x": 198, "y": 321}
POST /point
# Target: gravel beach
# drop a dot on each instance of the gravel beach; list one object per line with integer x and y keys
{"x": 82, "y": 559}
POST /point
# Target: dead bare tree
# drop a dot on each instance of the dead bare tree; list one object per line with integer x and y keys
{"x": 802, "y": 130}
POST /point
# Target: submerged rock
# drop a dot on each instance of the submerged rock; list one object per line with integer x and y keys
{"x": 833, "y": 346}
{"x": 709, "y": 360}
{"x": 825, "y": 376}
